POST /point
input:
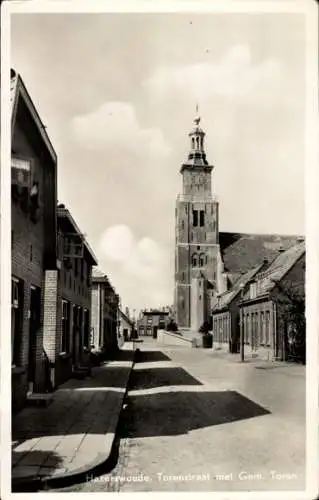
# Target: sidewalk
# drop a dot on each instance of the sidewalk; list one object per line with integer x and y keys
{"x": 75, "y": 433}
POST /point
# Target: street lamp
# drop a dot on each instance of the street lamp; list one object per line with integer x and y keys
{"x": 242, "y": 338}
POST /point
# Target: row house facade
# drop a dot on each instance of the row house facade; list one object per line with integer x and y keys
{"x": 257, "y": 307}
{"x": 226, "y": 313}
{"x": 104, "y": 319}
{"x": 33, "y": 241}
{"x": 152, "y": 321}
{"x": 272, "y": 310}
{"x": 67, "y": 337}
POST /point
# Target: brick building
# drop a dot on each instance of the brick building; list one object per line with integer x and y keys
{"x": 265, "y": 311}
{"x": 68, "y": 333}
{"x": 104, "y": 320}
{"x": 226, "y": 313}
{"x": 152, "y": 321}
{"x": 33, "y": 241}
{"x": 196, "y": 223}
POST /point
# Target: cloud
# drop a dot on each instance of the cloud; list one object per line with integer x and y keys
{"x": 233, "y": 76}
{"x": 143, "y": 259}
{"x": 139, "y": 268}
{"x": 115, "y": 124}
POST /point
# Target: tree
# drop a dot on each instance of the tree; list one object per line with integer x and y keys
{"x": 205, "y": 328}
{"x": 171, "y": 326}
{"x": 292, "y": 314}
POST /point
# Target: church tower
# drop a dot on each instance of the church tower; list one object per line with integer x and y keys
{"x": 196, "y": 244}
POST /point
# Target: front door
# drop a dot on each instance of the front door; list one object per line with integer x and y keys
{"x": 34, "y": 325}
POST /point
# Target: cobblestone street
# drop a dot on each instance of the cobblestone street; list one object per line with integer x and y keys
{"x": 196, "y": 421}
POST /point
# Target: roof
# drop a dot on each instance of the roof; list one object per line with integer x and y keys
{"x": 155, "y": 312}
{"x": 18, "y": 90}
{"x": 226, "y": 298}
{"x": 241, "y": 252}
{"x": 128, "y": 320}
{"x": 266, "y": 280}
{"x": 98, "y": 276}
{"x": 64, "y": 213}
{"x": 97, "y": 273}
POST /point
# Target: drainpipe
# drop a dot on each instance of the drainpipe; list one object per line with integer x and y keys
{"x": 242, "y": 339}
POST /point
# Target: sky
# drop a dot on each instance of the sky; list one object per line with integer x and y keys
{"x": 118, "y": 94}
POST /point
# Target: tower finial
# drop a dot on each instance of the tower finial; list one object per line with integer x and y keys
{"x": 197, "y": 119}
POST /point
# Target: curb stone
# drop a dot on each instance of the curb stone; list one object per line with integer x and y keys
{"x": 98, "y": 466}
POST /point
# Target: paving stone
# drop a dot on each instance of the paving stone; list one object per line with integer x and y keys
{"x": 34, "y": 458}
{"x": 25, "y": 471}
{"x": 26, "y": 445}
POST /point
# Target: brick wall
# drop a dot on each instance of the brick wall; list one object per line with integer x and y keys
{"x": 28, "y": 243}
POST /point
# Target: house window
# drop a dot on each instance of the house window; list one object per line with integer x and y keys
{"x": 201, "y": 218}
{"x": 20, "y": 171}
{"x": 263, "y": 329}
{"x": 267, "y": 328}
{"x": 253, "y": 290}
{"x": 194, "y": 260}
{"x": 248, "y": 329}
{"x": 16, "y": 319}
{"x": 195, "y": 218}
{"x": 65, "y": 341}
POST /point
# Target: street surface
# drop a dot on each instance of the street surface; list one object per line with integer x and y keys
{"x": 196, "y": 421}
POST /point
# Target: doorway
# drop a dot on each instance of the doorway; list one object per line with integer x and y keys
{"x": 154, "y": 332}
{"x": 34, "y": 326}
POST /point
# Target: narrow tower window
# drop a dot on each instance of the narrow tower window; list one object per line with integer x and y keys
{"x": 202, "y": 218}
{"x": 201, "y": 260}
{"x": 193, "y": 143}
{"x": 195, "y": 218}
{"x": 197, "y": 142}
{"x": 194, "y": 260}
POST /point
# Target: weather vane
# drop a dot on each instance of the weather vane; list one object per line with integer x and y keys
{"x": 197, "y": 119}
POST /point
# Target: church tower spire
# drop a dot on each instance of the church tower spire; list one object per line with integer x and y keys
{"x": 196, "y": 251}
